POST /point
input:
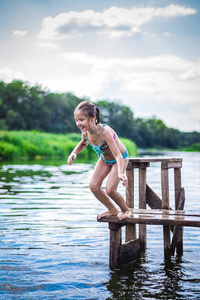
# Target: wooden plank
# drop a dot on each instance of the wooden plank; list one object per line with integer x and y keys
{"x": 130, "y": 232}
{"x": 135, "y": 211}
{"x": 177, "y": 190}
{"x": 165, "y": 187}
{"x": 158, "y": 159}
{"x": 177, "y": 186}
{"x": 152, "y": 199}
{"x": 128, "y": 252}
{"x": 177, "y": 239}
{"x": 168, "y": 165}
{"x": 142, "y": 204}
{"x": 166, "y": 239}
{"x": 141, "y": 164}
{"x": 165, "y": 203}
{"x": 158, "y": 217}
{"x": 130, "y": 166}
{"x": 130, "y": 188}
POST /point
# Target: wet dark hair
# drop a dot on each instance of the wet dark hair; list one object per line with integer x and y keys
{"x": 89, "y": 110}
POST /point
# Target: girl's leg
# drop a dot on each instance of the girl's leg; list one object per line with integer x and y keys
{"x": 100, "y": 172}
{"x": 111, "y": 190}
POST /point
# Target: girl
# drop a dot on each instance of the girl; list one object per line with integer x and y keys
{"x": 113, "y": 158}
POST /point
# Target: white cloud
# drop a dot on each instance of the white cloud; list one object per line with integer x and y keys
{"x": 192, "y": 73}
{"x": 113, "y": 22}
{"x": 48, "y": 45}
{"x": 159, "y": 78}
{"x": 7, "y": 75}
{"x": 154, "y": 85}
{"x": 20, "y": 32}
{"x": 166, "y": 34}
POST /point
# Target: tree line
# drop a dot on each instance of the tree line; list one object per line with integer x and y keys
{"x": 24, "y": 107}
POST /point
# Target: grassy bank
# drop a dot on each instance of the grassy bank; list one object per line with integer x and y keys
{"x": 193, "y": 148}
{"x": 34, "y": 144}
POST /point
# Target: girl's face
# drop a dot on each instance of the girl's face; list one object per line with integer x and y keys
{"x": 82, "y": 122}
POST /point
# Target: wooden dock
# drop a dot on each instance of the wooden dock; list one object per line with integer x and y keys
{"x": 158, "y": 213}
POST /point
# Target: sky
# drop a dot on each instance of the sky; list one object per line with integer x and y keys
{"x": 145, "y": 54}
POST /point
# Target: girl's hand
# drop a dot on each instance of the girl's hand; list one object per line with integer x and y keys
{"x": 123, "y": 178}
{"x": 71, "y": 158}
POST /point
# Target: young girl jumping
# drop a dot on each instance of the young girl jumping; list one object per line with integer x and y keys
{"x": 113, "y": 158}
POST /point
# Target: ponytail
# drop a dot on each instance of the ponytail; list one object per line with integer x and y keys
{"x": 97, "y": 115}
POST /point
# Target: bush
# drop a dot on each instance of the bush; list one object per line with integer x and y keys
{"x": 130, "y": 146}
{"x": 193, "y": 148}
{"x": 8, "y": 151}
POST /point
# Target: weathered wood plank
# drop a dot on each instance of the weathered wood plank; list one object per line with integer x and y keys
{"x": 166, "y": 239}
{"x": 178, "y": 191}
{"x": 128, "y": 252}
{"x": 115, "y": 242}
{"x": 165, "y": 203}
{"x": 177, "y": 186}
{"x": 158, "y": 217}
{"x": 161, "y": 159}
{"x": 130, "y": 188}
{"x": 152, "y": 199}
{"x": 134, "y": 211}
{"x": 142, "y": 204}
{"x": 169, "y": 165}
{"x": 130, "y": 232}
{"x": 177, "y": 239}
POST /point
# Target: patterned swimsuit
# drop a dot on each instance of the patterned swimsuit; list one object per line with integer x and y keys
{"x": 101, "y": 149}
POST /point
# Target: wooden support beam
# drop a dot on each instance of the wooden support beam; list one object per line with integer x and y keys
{"x": 152, "y": 199}
{"x": 179, "y": 204}
{"x": 177, "y": 239}
{"x": 165, "y": 203}
{"x": 115, "y": 242}
{"x": 142, "y": 204}
{"x": 130, "y": 232}
{"x": 177, "y": 186}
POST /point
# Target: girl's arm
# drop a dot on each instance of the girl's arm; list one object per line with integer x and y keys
{"x": 79, "y": 148}
{"x": 108, "y": 138}
{"x": 120, "y": 166}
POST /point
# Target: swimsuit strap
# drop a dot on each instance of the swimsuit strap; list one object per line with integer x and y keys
{"x": 101, "y": 132}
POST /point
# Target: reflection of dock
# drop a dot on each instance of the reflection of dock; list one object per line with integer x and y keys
{"x": 159, "y": 214}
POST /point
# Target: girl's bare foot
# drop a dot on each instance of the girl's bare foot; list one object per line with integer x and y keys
{"x": 124, "y": 214}
{"x": 108, "y": 213}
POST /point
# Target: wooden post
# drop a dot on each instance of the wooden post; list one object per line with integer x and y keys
{"x": 130, "y": 232}
{"x": 142, "y": 203}
{"x": 177, "y": 185}
{"x": 115, "y": 242}
{"x": 165, "y": 203}
{"x": 179, "y": 205}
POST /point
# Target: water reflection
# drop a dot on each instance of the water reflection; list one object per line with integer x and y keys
{"x": 138, "y": 281}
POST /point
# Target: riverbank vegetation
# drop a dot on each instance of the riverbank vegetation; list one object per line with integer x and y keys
{"x": 27, "y": 108}
{"x": 34, "y": 144}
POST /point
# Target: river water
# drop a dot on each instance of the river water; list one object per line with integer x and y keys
{"x": 51, "y": 246}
